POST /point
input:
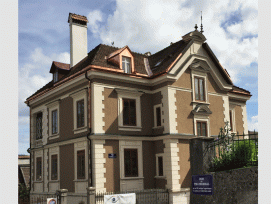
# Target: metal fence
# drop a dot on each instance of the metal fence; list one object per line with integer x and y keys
{"x": 41, "y": 198}
{"x": 146, "y": 196}
{"x": 236, "y": 150}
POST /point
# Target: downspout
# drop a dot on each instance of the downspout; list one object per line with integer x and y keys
{"x": 89, "y": 133}
{"x": 29, "y": 149}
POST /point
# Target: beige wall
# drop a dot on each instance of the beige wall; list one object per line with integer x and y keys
{"x": 185, "y": 80}
{"x": 184, "y": 162}
{"x": 239, "y": 119}
{"x": 112, "y": 166}
{"x": 217, "y": 116}
{"x": 148, "y": 164}
{"x": 184, "y": 114}
{"x": 66, "y": 154}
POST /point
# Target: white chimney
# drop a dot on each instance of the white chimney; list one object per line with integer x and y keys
{"x": 78, "y": 38}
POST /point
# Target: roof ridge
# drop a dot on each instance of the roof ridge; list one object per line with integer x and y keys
{"x": 166, "y": 48}
{"x": 123, "y": 47}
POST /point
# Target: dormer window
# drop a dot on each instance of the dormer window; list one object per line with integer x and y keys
{"x": 126, "y": 64}
{"x": 55, "y": 76}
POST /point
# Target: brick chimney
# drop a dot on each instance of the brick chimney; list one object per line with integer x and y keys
{"x": 78, "y": 38}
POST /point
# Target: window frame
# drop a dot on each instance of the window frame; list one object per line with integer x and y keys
{"x": 200, "y": 75}
{"x": 54, "y": 123}
{"x": 51, "y": 167}
{"x": 125, "y": 60}
{"x": 78, "y": 96}
{"x": 81, "y": 114}
{"x": 232, "y": 110}
{"x": 157, "y": 156}
{"x": 206, "y": 129}
{"x": 198, "y": 88}
{"x": 81, "y": 153}
{"x": 36, "y": 168}
{"x": 130, "y": 123}
{"x": 36, "y": 124}
{"x": 55, "y": 76}
{"x": 53, "y": 106}
{"x": 129, "y": 94}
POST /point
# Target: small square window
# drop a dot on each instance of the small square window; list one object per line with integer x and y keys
{"x": 126, "y": 64}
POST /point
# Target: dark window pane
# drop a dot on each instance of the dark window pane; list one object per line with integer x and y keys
{"x": 158, "y": 116}
{"x": 201, "y": 85}
{"x": 38, "y": 168}
{"x": 130, "y": 163}
{"x": 160, "y": 166}
{"x": 81, "y": 164}
{"x": 54, "y": 167}
{"x": 197, "y": 88}
{"x": 39, "y": 126}
{"x": 54, "y": 121}
{"x": 231, "y": 120}
{"x": 129, "y": 112}
{"x": 80, "y": 114}
{"x": 198, "y": 129}
{"x": 203, "y": 129}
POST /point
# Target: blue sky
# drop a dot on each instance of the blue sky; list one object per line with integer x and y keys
{"x": 231, "y": 29}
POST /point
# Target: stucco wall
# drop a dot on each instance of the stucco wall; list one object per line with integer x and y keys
{"x": 148, "y": 164}
{"x": 217, "y": 116}
{"x": 239, "y": 119}
{"x": 66, "y": 154}
{"x": 112, "y": 166}
{"x": 185, "y": 80}
{"x": 184, "y": 163}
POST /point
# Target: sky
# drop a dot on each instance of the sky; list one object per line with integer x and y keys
{"x": 230, "y": 26}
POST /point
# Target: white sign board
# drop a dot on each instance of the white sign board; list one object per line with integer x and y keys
{"x": 51, "y": 201}
{"x": 128, "y": 198}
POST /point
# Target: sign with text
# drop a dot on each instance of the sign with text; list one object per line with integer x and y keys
{"x": 202, "y": 184}
{"x": 112, "y": 155}
{"x": 128, "y": 198}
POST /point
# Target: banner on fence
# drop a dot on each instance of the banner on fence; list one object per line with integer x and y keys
{"x": 51, "y": 201}
{"x": 202, "y": 184}
{"x": 128, "y": 198}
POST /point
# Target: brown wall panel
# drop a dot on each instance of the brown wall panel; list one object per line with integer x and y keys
{"x": 239, "y": 120}
{"x": 217, "y": 116}
{"x": 184, "y": 163}
{"x": 184, "y": 115}
{"x": 67, "y": 167}
{"x": 185, "y": 80}
{"x": 148, "y": 164}
{"x": 159, "y": 146}
{"x": 112, "y": 166}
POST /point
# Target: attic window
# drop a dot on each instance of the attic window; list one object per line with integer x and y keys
{"x": 55, "y": 76}
{"x": 158, "y": 63}
{"x": 126, "y": 64}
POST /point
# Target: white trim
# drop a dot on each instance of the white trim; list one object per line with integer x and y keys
{"x": 77, "y": 96}
{"x": 78, "y": 147}
{"x": 244, "y": 114}
{"x": 54, "y": 151}
{"x": 201, "y": 118}
{"x": 129, "y": 95}
{"x": 157, "y": 167}
{"x": 97, "y": 108}
{"x": 52, "y": 107}
{"x": 203, "y": 75}
{"x": 226, "y": 106}
{"x": 155, "y": 116}
{"x": 232, "y": 109}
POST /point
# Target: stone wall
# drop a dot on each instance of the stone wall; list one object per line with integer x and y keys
{"x": 234, "y": 186}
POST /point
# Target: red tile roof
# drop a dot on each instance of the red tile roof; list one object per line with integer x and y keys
{"x": 77, "y": 17}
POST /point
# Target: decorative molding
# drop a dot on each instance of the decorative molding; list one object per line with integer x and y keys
{"x": 244, "y": 118}
{"x": 226, "y": 106}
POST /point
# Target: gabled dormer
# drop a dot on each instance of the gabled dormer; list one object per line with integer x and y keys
{"x": 124, "y": 59}
{"x": 59, "y": 70}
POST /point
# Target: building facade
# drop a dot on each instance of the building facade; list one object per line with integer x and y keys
{"x": 119, "y": 120}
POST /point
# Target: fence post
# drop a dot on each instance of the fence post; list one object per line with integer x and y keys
{"x": 91, "y": 195}
{"x": 63, "y": 196}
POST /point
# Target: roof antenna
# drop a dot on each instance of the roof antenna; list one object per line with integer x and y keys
{"x": 201, "y": 27}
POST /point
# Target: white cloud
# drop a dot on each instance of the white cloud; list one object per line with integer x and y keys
{"x": 253, "y": 123}
{"x": 94, "y": 17}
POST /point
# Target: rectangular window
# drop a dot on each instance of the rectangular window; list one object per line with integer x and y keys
{"x": 158, "y": 116}
{"x": 55, "y": 76}
{"x": 126, "y": 64}
{"x": 38, "y": 168}
{"x": 54, "y": 122}
{"x": 130, "y": 163}
{"x": 201, "y": 128}
{"x": 80, "y": 114}
{"x": 39, "y": 126}
{"x": 129, "y": 112}
{"x": 54, "y": 167}
{"x": 81, "y": 164}
{"x": 231, "y": 121}
{"x": 199, "y": 89}
{"x": 160, "y": 166}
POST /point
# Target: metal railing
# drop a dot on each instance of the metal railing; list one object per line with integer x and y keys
{"x": 146, "y": 196}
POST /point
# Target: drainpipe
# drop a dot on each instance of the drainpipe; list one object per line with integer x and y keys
{"x": 29, "y": 149}
{"x": 90, "y": 150}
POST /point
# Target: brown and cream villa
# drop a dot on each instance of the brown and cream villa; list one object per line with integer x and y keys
{"x": 118, "y": 120}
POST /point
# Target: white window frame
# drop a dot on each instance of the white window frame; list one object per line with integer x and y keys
{"x": 131, "y": 145}
{"x": 126, "y": 62}
{"x": 54, "y": 151}
{"x": 155, "y": 116}
{"x": 129, "y": 94}
{"x": 55, "y": 76}
{"x": 78, "y": 96}
{"x": 201, "y": 118}
{"x": 52, "y": 107}
{"x": 200, "y": 74}
{"x": 157, "y": 167}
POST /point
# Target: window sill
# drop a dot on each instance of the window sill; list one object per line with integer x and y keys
{"x": 54, "y": 136}
{"x": 53, "y": 181}
{"x": 159, "y": 127}
{"x": 160, "y": 177}
{"x": 201, "y": 102}
{"x": 131, "y": 178}
{"x": 80, "y": 130}
{"x": 80, "y": 180}
{"x": 38, "y": 181}
{"x": 130, "y": 128}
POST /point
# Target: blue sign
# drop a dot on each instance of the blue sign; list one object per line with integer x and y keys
{"x": 112, "y": 155}
{"x": 202, "y": 184}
